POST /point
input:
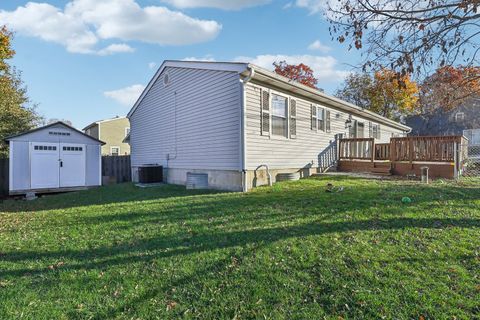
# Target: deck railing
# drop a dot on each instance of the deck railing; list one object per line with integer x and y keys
{"x": 428, "y": 148}
{"x": 356, "y": 149}
{"x": 419, "y": 149}
{"x": 382, "y": 151}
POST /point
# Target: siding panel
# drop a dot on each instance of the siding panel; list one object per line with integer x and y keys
{"x": 206, "y": 133}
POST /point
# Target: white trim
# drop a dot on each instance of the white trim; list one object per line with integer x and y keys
{"x": 111, "y": 147}
{"x": 10, "y": 165}
{"x": 216, "y": 66}
{"x": 99, "y": 165}
{"x": 126, "y": 134}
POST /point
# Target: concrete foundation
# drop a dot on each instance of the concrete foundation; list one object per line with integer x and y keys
{"x": 229, "y": 180}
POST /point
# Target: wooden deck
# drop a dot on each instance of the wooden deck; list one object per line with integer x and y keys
{"x": 402, "y": 156}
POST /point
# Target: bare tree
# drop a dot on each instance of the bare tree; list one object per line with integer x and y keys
{"x": 408, "y": 36}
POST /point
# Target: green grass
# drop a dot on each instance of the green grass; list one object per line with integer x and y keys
{"x": 292, "y": 251}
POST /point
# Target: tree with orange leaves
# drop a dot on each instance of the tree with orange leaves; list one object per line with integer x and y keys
{"x": 449, "y": 87}
{"x": 16, "y": 114}
{"x": 393, "y": 96}
{"x": 300, "y": 73}
{"x": 383, "y": 93}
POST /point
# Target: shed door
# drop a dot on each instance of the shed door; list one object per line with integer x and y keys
{"x": 72, "y": 165}
{"x": 44, "y": 165}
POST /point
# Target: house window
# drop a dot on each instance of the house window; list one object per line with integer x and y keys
{"x": 374, "y": 131}
{"x": 459, "y": 116}
{"x": 320, "y": 119}
{"x": 114, "y": 151}
{"x": 279, "y": 115}
{"x": 127, "y": 131}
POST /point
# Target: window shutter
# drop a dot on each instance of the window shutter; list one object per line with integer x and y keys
{"x": 379, "y": 135}
{"x": 265, "y": 112}
{"x": 314, "y": 117}
{"x": 327, "y": 121}
{"x": 370, "y": 129}
{"x": 293, "y": 119}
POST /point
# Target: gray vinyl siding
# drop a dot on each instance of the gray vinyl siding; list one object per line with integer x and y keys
{"x": 93, "y": 168}
{"x": 20, "y": 166}
{"x": 207, "y": 129}
{"x": 306, "y": 149}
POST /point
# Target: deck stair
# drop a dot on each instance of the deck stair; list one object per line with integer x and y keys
{"x": 382, "y": 168}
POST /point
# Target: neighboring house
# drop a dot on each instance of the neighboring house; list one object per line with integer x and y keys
{"x": 224, "y": 120}
{"x": 53, "y": 158}
{"x": 113, "y": 132}
{"x": 444, "y": 123}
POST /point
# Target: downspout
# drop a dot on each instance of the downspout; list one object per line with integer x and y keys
{"x": 243, "y": 132}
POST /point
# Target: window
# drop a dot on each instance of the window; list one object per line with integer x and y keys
{"x": 374, "y": 130}
{"x": 320, "y": 119}
{"x": 72, "y": 148}
{"x": 114, "y": 151}
{"x": 279, "y": 115}
{"x": 45, "y": 148}
{"x": 127, "y": 131}
{"x": 58, "y": 133}
{"x": 459, "y": 116}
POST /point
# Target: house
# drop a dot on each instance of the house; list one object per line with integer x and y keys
{"x": 53, "y": 158}
{"x": 444, "y": 123}
{"x": 225, "y": 122}
{"x": 112, "y": 132}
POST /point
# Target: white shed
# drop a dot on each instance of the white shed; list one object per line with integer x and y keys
{"x": 54, "y": 158}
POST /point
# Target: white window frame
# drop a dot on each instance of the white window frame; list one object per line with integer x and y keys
{"x": 320, "y": 110}
{"x": 113, "y": 147}
{"x": 457, "y": 116}
{"x": 287, "y": 97}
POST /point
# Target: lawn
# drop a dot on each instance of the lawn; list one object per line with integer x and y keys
{"x": 291, "y": 251}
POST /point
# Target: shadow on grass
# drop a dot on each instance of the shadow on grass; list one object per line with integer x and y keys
{"x": 114, "y": 194}
{"x": 168, "y": 246}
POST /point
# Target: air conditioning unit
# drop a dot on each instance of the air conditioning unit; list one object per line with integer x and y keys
{"x": 150, "y": 174}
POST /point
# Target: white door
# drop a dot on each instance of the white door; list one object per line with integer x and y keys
{"x": 72, "y": 165}
{"x": 44, "y": 165}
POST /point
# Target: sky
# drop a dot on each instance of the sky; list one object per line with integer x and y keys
{"x": 86, "y": 60}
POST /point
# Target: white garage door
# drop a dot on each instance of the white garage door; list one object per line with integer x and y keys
{"x": 56, "y": 165}
{"x": 72, "y": 165}
{"x": 44, "y": 160}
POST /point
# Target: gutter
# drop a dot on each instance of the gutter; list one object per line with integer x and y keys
{"x": 243, "y": 133}
{"x": 343, "y": 105}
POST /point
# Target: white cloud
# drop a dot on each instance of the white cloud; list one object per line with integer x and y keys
{"x": 82, "y": 24}
{"x": 318, "y": 46}
{"x": 116, "y": 48}
{"x": 126, "y": 96}
{"x": 219, "y": 4}
{"x": 324, "y": 67}
{"x": 152, "y": 65}
{"x": 206, "y": 58}
{"x": 314, "y": 6}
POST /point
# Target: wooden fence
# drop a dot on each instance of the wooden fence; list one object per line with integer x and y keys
{"x": 117, "y": 168}
{"x": 3, "y": 177}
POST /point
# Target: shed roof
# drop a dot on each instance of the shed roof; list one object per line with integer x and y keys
{"x": 52, "y": 125}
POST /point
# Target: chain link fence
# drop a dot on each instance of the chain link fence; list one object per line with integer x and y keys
{"x": 470, "y": 162}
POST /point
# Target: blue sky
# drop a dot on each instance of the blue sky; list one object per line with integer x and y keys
{"x": 85, "y": 60}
